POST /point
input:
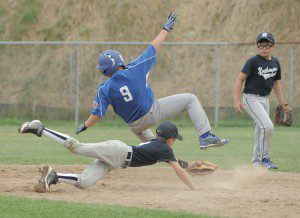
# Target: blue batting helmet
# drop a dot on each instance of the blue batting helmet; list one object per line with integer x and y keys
{"x": 109, "y": 61}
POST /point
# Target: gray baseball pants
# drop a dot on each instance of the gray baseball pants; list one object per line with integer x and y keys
{"x": 109, "y": 155}
{"x": 169, "y": 107}
{"x": 258, "y": 108}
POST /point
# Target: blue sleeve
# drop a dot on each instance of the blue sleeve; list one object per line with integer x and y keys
{"x": 247, "y": 69}
{"x": 144, "y": 62}
{"x": 100, "y": 104}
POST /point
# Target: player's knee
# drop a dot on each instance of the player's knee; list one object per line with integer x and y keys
{"x": 269, "y": 129}
{"x": 72, "y": 144}
{"x": 193, "y": 100}
{"x": 191, "y": 97}
{"x": 82, "y": 186}
{"x": 84, "y": 182}
{"x": 146, "y": 136}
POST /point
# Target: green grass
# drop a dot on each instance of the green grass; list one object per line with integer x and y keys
{"x": 23, "y": 207}
{"x": 112, "y": 119}
{"x": 28, "y": 149}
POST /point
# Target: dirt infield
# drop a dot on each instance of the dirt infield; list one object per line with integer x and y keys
{"x": 242, "y": 192}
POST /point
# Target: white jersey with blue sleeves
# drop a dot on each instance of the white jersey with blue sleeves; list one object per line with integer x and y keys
{"x": 128, "y": 91}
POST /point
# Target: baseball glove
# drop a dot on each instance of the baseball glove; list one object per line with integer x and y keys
{"x": 284, "y": 115}
{"x": 201, "y": 168}
{"x": 198, "y": 167}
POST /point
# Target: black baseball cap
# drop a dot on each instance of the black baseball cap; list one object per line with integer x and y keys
{"x": 168, "y": 130}
{"x": 265, "y": 36}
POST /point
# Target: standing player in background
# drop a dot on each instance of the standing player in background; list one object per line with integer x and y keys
{"x": 131, "y": 97}
{"x": 262, "y": 73}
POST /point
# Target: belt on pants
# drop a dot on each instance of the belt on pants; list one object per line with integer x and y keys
{"x": 128, "y": 159}
{"x": 264, "y": 96}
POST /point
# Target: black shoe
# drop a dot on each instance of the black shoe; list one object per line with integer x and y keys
{"x": 49, "y": 177}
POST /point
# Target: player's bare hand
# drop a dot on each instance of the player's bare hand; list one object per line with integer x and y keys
{"x": 238, "y": 106}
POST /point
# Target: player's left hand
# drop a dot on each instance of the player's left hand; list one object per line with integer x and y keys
{"x": 171, "y": 20}
{"x": 81, "y": 128}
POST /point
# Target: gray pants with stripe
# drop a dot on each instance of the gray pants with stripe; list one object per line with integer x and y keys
{"x": 169, "y": 107}
{"x": 109, "y": 155}
{"x": 258, "y": 108}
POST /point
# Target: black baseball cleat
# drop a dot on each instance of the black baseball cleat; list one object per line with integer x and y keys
{"x": 49, "y": 177}
{"x": 34, "y": 127}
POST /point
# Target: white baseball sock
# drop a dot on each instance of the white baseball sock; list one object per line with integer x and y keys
{"x": 57, "y": 136}
{"x": 68, "y": 178}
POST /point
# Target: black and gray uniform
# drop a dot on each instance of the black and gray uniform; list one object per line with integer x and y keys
{"x": 261, "y": 74}
{"x": 115, "y": 154}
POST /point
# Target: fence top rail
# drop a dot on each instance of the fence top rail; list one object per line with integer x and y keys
{"x": 128, "y": 43}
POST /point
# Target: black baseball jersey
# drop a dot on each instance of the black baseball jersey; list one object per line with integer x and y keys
{"x": 150, "y": 153}
{"x": 261, "y": 74}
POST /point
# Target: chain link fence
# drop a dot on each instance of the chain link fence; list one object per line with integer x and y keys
{"x": 58, "y": 80}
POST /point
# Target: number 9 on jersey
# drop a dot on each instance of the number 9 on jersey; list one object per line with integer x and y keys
{"x": 126, "y": 93}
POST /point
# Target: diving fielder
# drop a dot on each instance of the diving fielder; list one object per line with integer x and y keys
{"x": 110, "y": 155}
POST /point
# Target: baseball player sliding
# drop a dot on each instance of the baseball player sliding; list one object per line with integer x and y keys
{"x": 131, "y": 97}
{"x": 109, "y": 155}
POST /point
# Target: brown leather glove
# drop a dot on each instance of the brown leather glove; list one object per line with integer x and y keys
{"x": 201, "y": 168}
{"x": 284, "y": 115}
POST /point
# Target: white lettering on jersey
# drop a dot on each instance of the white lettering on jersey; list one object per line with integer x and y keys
{"x": 95, "y": 105}
{"x": 126, "y": 93}
{"x": 143, "y": 143}
{"x": 267, "y": 73}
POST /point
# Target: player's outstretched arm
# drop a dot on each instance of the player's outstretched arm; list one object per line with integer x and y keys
{"x": 88, "y": 123}
{"x": 238, "y": 106}
{"x": 167, "y": 27}
{"x": 182, "y": 175}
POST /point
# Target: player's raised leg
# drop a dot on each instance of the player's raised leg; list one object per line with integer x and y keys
{"x": 34, "y": 127}
{"x": 101, "y": 150}
{"x": 173, "y": 105}
{"x": 144, "y": 135}
{"x": 37, "y": 128}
